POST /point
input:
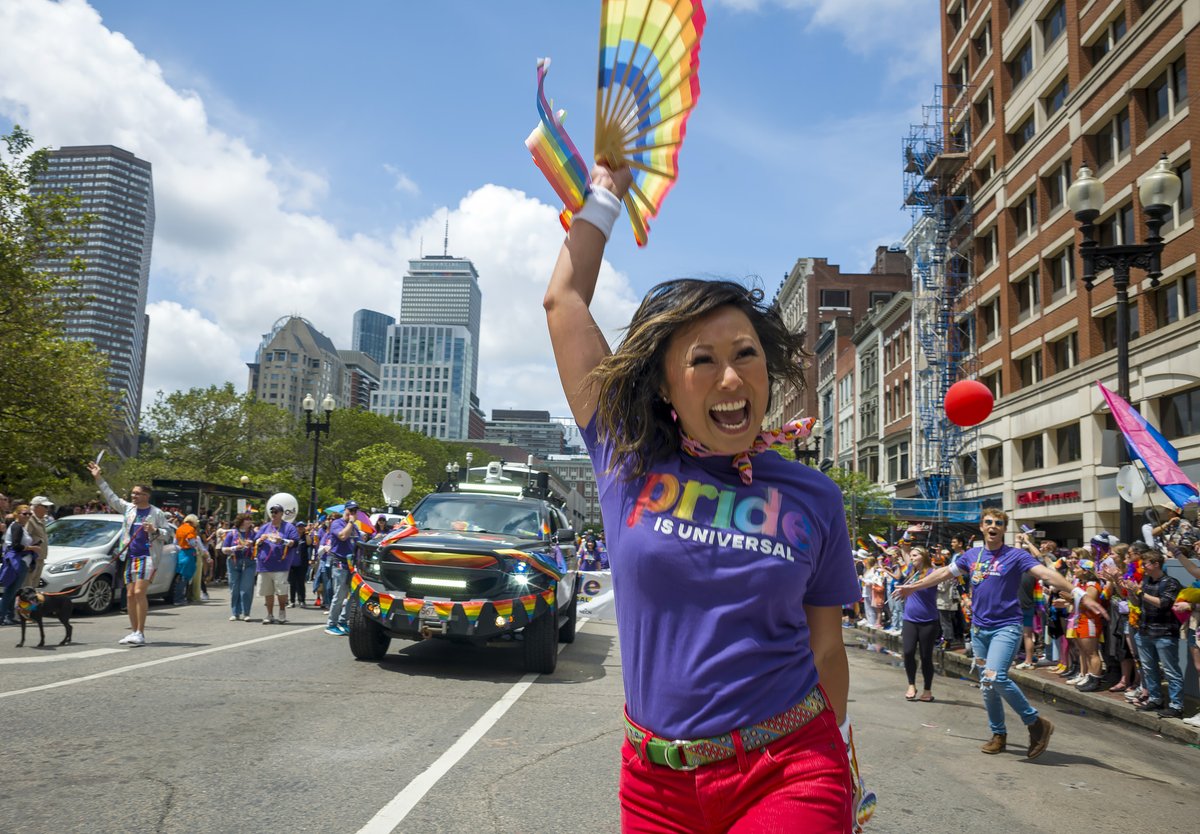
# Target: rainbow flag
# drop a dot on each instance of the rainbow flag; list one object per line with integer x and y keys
{"x": 1156, "y": 453}
{"x": 548, "y": 597}
{"x": 412, "y": 607}
{"x": 385, "y": 604}
{"x": 503, "y": 608}
{"x": 530, "y": 604}
{"x": 472, "y": 609}
{"x": 444, "y": 609}
{"x": 355, "y": 581}
{"x": 879, "y": 541}
{"x": 555, "y": 154}
{"x": 450, "y": 560}
{"x": 539, "y": 561}
{"x": 365, "y": 593}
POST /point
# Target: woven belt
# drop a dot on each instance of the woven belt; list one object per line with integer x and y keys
{"x": 680, "y": 754}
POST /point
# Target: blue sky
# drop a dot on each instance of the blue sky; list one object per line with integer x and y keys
{"x": 303, "y": 150}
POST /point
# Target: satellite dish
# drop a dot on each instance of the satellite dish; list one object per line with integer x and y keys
{"x": 397, "y": 484}
{"x": 1130, "y": 485}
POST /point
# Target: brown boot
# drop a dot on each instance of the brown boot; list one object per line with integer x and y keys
{"x": 996, "y": 745}
{"x": 1039, "y": 736}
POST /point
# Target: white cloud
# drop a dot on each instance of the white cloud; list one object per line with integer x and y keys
{"x": 402, "y": 181}
{"x": 238, "y": 240}
{"x": 908, "y": 31}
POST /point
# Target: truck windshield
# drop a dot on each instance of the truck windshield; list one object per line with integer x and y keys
{"x": 478, "y": 514}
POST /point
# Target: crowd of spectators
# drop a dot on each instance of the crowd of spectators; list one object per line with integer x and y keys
{"x": 1134, "y": 652}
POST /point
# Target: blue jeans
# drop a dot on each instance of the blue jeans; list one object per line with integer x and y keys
{"x": 995, "y": 649}
{"x": 339, "y": 580}
{"x": 896, "y": 605}
{"x": 8, "y": 602}
{"x": 241, "y": 585}
{"x": 1159, "y": 656}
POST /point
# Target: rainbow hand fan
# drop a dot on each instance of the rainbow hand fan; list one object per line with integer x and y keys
{"x": 648, "y": 85}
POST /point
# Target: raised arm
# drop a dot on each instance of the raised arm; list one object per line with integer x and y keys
{"x": 579, "y": 345}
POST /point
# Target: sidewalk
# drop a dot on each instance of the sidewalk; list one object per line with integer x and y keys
{"x": 1051, "y": 688}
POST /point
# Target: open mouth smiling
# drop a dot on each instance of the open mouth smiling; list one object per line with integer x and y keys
{"x": 731, "y": 417}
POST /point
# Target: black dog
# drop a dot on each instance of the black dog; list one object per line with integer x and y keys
{"x": 34, "y": 606}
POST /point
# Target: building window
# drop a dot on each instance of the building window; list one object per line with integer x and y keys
{"x": 835, "y": 298}
{"x": 1054, "y": 24}
{"x": 1025, "y": 215}
{"x": 1057, "y": 97}
{"x": 1112, "y": 140}
{"x": 1118, "y": 227}
{"x": 1067, "y": 445}
{"x": 983, "y": 43}
{"x": 1108, "y": 327}
{"x": 985, "y": 109}
{"x": 988, "y": 249}
{"x": 1060, "y": 268}
{"x": 1065, "y": 352}
{"x": 989, "y": 320}
{"x": 879, "y": 296}
{"x": 897, "y": 462}
{"x": 1176, "y": 300}
{"x": 1022, "y": 65}
{"x": 1057, "y": 182}
{"x": 1024, "y": 134}
{"x": 993, "y": 382}
{"x": 1182, "y": 210}
{"x": 1029, "y": 369}
{"x": 1180, "y": 414}
{"x": 1167, "y": 95}
{"x": 994, "y": 458}
{"x": 1113, "y": 32}
{"x": 1032, "y": 455}
{"x": 1029, "y": 299}
{"x": 969, "y": 466}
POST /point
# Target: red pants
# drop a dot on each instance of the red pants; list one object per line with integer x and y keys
{"x": 800, "y": 783}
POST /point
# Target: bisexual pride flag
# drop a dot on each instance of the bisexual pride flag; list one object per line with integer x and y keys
{"x": 1147, "y": 444}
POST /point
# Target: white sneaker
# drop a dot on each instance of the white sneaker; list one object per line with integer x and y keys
{"x": 127, "y": 639}
{"x": 1193, "y": 721}
{"x": 233, "y": 618}
{"x": 1078, "y": 679}
{"x": 139, "y": 639}
{"x": 282, "y": 618}
{"x": 204, "y": 597}
{"x": 268, "y": 619}
{"x": 1133, "y": 694}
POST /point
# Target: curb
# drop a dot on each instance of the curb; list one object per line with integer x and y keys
{"x": 1052, "y": 691}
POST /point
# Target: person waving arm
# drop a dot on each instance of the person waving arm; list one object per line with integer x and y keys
{"x": 579, "y": 345}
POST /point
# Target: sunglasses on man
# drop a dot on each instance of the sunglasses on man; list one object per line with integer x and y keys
{"x": 993, "y": 521}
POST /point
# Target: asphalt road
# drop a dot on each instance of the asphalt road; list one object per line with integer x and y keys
{"x": 230, "y": 727}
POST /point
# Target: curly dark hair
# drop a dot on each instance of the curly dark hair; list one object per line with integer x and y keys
{"x": 630, "y": 412}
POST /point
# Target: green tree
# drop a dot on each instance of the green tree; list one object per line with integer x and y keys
{"x": 55, "y": 404}
{"x": 868, "y": 506}
{"x": 364, "y": 474}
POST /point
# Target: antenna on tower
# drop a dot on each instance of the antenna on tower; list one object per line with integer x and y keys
{"x": 446, "y": 239}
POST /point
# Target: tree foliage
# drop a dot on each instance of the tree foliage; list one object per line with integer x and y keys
{"x": 868, "y": 505}
{"x": 364, "y": 474}
{"x": 55, "y": 404}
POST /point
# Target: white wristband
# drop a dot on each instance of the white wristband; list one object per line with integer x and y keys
{"x": 600, "y": 209}
{"x": 844, "y": 729}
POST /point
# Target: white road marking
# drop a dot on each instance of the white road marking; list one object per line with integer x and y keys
{"x": 392, "y": 814}
{"x": 122, "y": 669}
{"x": 50, "y": 658}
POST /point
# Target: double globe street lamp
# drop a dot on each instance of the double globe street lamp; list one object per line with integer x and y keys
{"x": 1158, "y": 191}
{"x": 315, "y": 428}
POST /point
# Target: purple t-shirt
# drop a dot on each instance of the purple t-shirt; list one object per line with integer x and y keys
{"x": 342, "y": 550}
{"x": 275, "y": 556}
{"x": 921, "y": 607}
{"x": 995, "y": 578}
{"x": 139, "y": 539}
{"x": 711, "y": 577}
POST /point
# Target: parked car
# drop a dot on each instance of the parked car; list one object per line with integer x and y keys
{"x": 79, "y": 561}
{"x": 488, "y": 562}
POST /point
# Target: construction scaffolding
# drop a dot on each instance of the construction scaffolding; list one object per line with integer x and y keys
{"x": 938, "y": 164}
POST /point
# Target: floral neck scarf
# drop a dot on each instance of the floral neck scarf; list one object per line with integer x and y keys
{"x": 741, "y": 462}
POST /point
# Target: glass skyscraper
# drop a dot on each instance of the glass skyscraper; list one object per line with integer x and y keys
{"x": 440, "y": 289}
{"x": 371, "y": 332}
{"x": 108, "y": 307}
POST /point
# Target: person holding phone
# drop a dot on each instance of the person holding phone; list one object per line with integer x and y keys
{"x": 144, "y": 532}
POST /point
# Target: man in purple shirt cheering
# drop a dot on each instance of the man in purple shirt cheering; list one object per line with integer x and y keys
{"x": 995, "y": 572}
{"x": 343, "y": 532}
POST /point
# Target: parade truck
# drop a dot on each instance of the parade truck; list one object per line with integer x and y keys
{"x": 481, "y": 562}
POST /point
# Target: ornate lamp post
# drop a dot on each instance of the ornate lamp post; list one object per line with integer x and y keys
{"x": 467, "y": 473}
{"x": 1158, "y": 192}
{"x": 315, "y": 428}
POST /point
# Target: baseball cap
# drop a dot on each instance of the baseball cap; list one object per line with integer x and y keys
{"x": 1087, "y": 564}
{"x": 41, "y": 501}
{"x": 275, "y": 507}
{"x": 351, "y": 505}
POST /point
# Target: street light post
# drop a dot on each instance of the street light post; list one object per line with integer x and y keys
{"x": 315, "y": 428}
{"x": 1158, "y": 191}
{"x": 467, "y": 473}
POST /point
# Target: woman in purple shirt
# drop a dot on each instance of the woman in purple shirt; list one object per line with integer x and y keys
{"x": 921, "y": 628}
{"x": 730, "y": 565}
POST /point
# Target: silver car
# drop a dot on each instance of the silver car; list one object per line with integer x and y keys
{"x": 80, "y": 562}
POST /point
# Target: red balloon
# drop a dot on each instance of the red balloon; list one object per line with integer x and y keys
{"x": 968, "y": 403}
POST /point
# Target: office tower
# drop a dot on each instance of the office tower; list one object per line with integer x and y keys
{"x": 423, "y": 381}
{"x": 294, "y": 360}
{"x": 108, "y": 308}
{"x": 370, "y": 333}
{"x": 444, "y": 290}
{"x": 362, "y": 377}
{"x": 532, "y": 430}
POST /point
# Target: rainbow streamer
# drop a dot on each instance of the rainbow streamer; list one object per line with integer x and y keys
{"x": 452, "y": 560}
{"x": 539, "y": 561}
{"x": 385, "y": 604}
{"x": 444, "y": 609}
{"x": 504, "y": 608}
{"x": 548, "y": 597}
{"x": 412, "y": 607}
{"x": 530, "y": 604}
{"x": 355, "y": 581}
{"x": 472, "y": 609}
{"x": 365, "y": 593}
{"x": 555, "y": 154}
